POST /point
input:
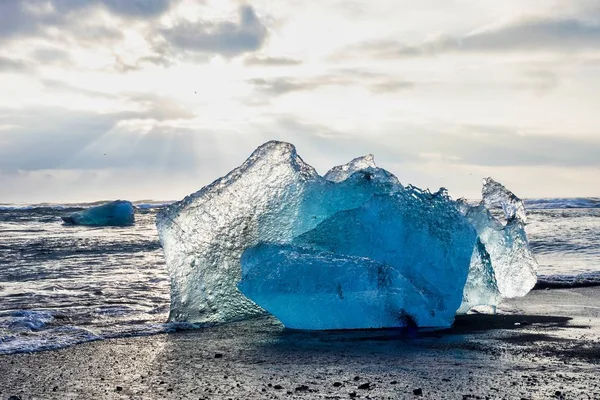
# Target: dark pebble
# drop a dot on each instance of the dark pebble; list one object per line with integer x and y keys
{"x": 418, "y": 392}
{"x": 337, "y": 384}
{"x": 357, "y": 378}
{"x": 301, "y": 388}
{"x": 119, "y": 388}
{"x": 352, "y": 394}
{"x": 218, "y": 355}
{"x": 365, "y": 386}
{"x": 14, "y": 398}
{"x": 278, "y": 387}
{"x": 393, "y": 382}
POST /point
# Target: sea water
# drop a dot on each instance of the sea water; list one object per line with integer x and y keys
{"x": 61, "y": 285}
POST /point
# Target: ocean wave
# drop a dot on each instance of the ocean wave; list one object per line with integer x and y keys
{"x": 561, "y": 203}
{"x": 25, "y": 320}
{"x": 147, "y": 206}
{"x": 36, "y": 332}
{"x": 41, "y": 207}
{"x": 568, "y": 281}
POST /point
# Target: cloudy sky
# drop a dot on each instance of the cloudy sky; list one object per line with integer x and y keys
{"x": 152, "y": 99}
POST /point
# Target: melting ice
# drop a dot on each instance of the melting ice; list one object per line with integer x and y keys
{"x": 115, "y": 213}
{"x": 352, "y": 249}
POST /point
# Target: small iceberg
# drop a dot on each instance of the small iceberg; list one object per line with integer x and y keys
{"x": 351, "y": 249}
{"x": 115, "y": 213}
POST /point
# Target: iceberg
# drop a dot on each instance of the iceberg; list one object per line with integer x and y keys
{"x": 115, "y": 213}
{"x": 503, "y": 265}
{"x": 351, "y": 249}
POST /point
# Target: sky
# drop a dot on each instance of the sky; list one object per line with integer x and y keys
{"x": 153, "y": 99}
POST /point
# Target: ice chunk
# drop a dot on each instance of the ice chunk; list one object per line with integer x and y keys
{"x": 494, "y": 194}
{"x": 307, "y": 289}
{"x": 358, "y": 217}
{"x": 512, "y": 262}
{"x": 343, "y": 172}
{"x": 203, "y": 236}
{"x": 116, "y": 213}
{"x": 481, "y": 288}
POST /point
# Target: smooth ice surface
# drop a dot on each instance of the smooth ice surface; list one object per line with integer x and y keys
{"x": 115, "y": 213}
{"x": 307, "y": 289}
{"x": 481, "y": 288}
{"x": 512, "y": 269}
{"x": 419, "y": 234}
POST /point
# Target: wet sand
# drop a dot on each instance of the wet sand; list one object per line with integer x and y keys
{"x": 544, "y": 346}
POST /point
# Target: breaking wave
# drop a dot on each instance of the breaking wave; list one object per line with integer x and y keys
{"x": 552, "y": 204}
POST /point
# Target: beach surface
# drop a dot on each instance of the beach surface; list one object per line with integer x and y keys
{"x": 543, "y": 346}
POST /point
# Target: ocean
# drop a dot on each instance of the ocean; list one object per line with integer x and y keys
{"x": 61, "y": 285}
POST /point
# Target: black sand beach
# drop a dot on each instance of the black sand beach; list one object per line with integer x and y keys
{"x": 546, "y": 345}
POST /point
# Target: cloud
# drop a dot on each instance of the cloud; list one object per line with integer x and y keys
{"x": 524, "y": 35}
{"x": 155, "y": 59}
{"x": 376, "y": 83}
{"x": 48, "y": 55}
{"x": 284, "y": 85}
{"x": 541, "y": 81}
{"x": 32, "y": 17}
{"x": 136, "y": 8}
{"x": 271, "y": 61}
{"x": 535, "y": 35}
{"x": 23, "y": 17}
{"x": 158, "y": 107}
{"x": 226, "y": 38}
{"x": 55, "y": 85}
{"x": 391, "y": 86}
{"x": 12, "y": 65}
{"x": 490, "y": 146}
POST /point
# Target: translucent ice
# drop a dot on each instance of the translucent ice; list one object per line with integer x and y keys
{"x": 481, "y": 288}
{"x": 512, "y": 269}
{"x": 203, "y": 236}
{"x": 116, "y": 213}
{"x": 419, "y": 236}
{"x": 280, "y": 219}
{"x": 494, "y": 194}
{"x": 343, "y": 172}
{"x": 307, "y": 289}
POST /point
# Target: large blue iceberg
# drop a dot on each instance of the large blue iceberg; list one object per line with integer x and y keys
{"x": 115, "y": 213}
{"x": 351, "y": 249}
